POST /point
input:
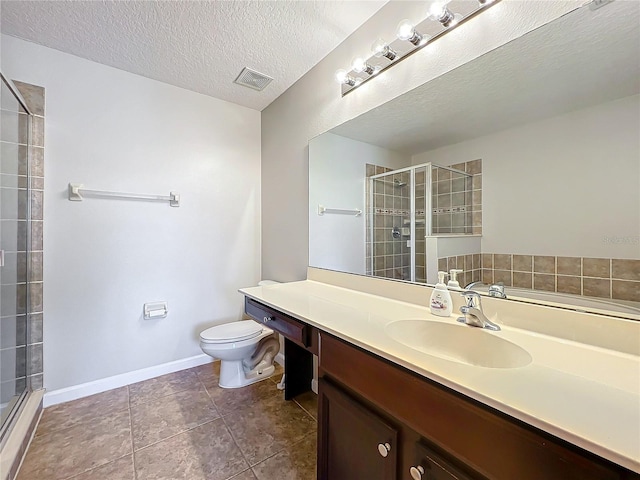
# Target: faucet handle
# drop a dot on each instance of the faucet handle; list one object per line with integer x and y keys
{"x": 497, "y": 290}
{"x": 472, "y": 298}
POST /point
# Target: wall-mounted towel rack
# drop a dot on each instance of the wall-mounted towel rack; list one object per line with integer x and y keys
{"x": 77, "y": 190}
{"x": 342, "y": 211}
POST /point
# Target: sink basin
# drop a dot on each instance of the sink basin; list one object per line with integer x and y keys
{"x": 459, "y": 343}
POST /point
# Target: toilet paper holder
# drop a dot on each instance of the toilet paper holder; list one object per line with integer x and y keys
{"x": 155, "y": 310}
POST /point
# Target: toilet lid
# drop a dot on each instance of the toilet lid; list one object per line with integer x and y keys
{"x": 231, "y": 332}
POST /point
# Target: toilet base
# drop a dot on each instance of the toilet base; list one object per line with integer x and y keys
{"x": 233, "y": 374}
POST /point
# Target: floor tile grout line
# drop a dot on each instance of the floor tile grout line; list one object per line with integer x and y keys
{"x": 283, "y": 450}
{"x": 235, "y": 442}
{"x": 230, "y": 434}
{"x": 59, "y": 430}
{"x": 305, "y": 410}
{"x": 175, "y": 435}
{"x": 159, "y": 397}
{"x": 75, "y": 475}
{"x": 236, "y": 475}
{"x": 133, "y": 453}
{"x": 182, "y": 431}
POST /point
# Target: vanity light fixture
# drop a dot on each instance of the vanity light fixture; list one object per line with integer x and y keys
{"x": 411, "y": 37}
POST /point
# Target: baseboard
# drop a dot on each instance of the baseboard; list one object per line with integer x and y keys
{"x": 98, "y": 386}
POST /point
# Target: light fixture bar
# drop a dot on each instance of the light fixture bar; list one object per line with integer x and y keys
{"x": 386, "y": 54}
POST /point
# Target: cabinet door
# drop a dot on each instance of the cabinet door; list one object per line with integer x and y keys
{"x": 353, "y": 442}
{"x": 429, "y": 465}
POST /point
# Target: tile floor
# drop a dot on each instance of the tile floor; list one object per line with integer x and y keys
{"x": 178, "y": 426}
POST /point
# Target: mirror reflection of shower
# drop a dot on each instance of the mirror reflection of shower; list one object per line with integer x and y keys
{"x": 408, "y": 205}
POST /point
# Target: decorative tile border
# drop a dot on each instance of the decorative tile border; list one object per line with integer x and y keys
{"x": 391, "y": 211}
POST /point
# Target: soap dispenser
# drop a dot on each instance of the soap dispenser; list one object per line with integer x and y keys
{"x": 453, "y": 278}
{"x": 441, "y": 303}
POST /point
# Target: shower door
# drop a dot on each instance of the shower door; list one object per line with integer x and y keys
{"x": 15, "y": 134}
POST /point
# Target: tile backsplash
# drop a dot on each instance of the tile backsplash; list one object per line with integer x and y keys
{"x": 612, "y": 278}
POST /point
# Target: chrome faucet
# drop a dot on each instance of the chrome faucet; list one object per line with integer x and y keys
{"x": 497, "y": 290}
{"x": 473, "y": 314}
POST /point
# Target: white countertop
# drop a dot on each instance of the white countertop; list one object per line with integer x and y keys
{"x": 587, "y": 395}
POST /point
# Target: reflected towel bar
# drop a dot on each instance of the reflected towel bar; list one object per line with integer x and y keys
{"x": 76, "y": 190}
{"x": 343, "y": 211}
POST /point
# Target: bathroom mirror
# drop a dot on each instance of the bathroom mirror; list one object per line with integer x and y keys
{"x": 521, "y": 167}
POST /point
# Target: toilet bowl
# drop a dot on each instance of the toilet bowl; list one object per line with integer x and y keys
{"x": 246, "y": 350}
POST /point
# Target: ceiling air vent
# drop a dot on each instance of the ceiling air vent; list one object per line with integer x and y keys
{"x": 252, "y": 79}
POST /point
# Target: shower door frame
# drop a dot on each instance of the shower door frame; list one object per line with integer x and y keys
{"x": 16, "y": 409}
{"x": 412, "y": 210}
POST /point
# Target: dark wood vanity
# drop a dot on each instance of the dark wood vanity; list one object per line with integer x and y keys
{"x": 378, "y": 420}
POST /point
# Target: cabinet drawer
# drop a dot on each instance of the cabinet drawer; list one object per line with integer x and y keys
{"x": 290, "y": 328}
{"x": 486, "y": 441}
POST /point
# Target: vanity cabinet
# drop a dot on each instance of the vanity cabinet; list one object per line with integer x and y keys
{"x": 379, "y": 420}
{"x": 446, "y": 434}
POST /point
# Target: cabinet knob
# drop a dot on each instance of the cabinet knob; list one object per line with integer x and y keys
{"x": 416, "y": 472}
{"x": 384, "y": 449}
{"x": 267, "y": 319}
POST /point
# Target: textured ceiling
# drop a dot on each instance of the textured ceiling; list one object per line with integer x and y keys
{"x": 198, "y": 45}
{"x": 579, "y": 60}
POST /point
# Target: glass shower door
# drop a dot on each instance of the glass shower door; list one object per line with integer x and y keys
{"x": 15, "y": 134}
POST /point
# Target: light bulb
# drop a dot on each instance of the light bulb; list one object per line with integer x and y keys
{"x": 440, "y": 13}
{"x": 405, "y": 30}
{"x": 380, "y": 48}
{"x": 358, "y": 65}
{"x": 437, "y": 9}
{"x": 341, "y": 76}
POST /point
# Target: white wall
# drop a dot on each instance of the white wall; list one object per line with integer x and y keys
{"x": 103, "y": 259}
{"x": 561, "y": 186}
{"x": 338, "y": 181}
{"x": 313, "y": 105}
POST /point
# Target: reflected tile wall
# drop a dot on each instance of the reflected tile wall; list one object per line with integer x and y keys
{"x": 387, "y": 207}
{"x": 34, "y": 96}
{"x": 612, "y": 278}
{"x": 457, "y": 199}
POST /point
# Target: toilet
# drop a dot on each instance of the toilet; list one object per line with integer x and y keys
{"x": 246, "y": 350}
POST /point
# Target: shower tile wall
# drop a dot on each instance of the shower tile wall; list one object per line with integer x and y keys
{"x": 457, "y": 199}
{"x": 34, "y": 97}
{"x": 470, "y": 264}
{"x": 421, "y": 229}
{"x": 387, "y": 256}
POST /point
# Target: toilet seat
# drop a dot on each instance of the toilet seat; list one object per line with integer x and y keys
{"x": 231, "y": 332}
